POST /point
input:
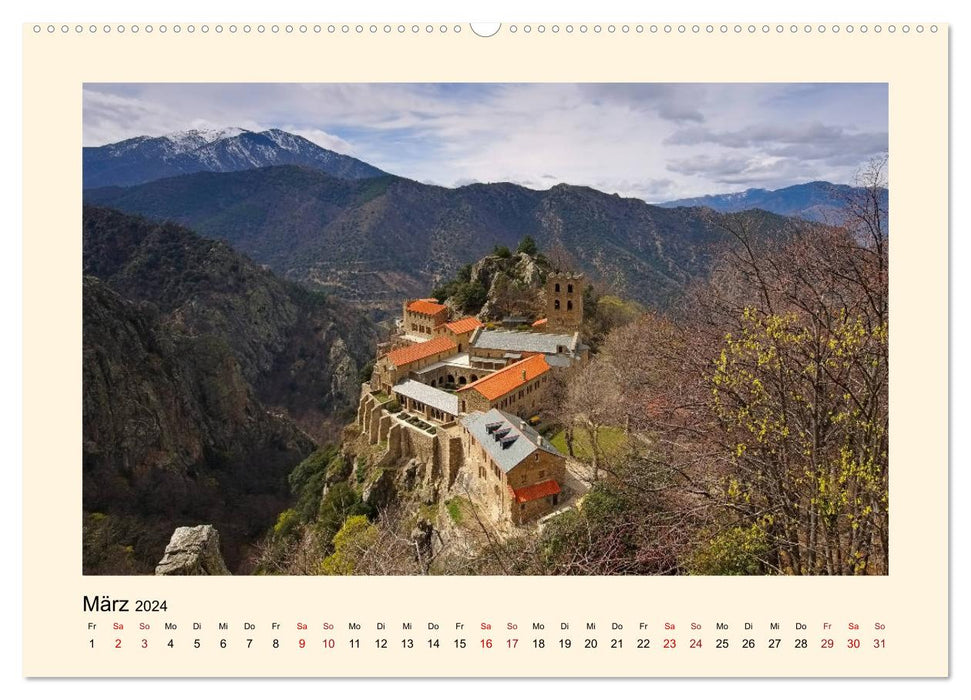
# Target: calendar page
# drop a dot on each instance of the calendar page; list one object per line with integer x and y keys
{"x": 444, "y": 350}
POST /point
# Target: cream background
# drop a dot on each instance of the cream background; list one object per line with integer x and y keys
{"x": 911, "y": 601}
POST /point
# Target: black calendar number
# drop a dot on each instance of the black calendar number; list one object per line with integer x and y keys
{"x": 721, "y": 644}
{"x": 802, "y": 643}
{"x": 643, "y": 643}
{"x": 589, "y": 643}
{"x": 616, "y": 643}
{"x": 748, "y": 644}
{"x": 775, "y": 643}
{"x": 151, "y": 606}
{"x": 381, "y": 643}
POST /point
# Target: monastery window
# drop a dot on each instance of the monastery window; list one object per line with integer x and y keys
{"x": 556, "y": 302}
{"x": 569, "y": 306}
{"x": 569, "y": 289}
{"x": 414, "y": 326}
{"x": 556, "y": 288}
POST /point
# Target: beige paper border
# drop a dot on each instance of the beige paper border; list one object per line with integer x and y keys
{"x": 911, "y": 601}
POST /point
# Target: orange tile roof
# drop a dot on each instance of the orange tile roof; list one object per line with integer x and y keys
{"x": 536, "y": 491}
{"x": 419, "y": 351}
{"x": 426, "y": 306}
{"x": 509, "y": 378}
{"x": 464, "y": 325}
{"x": 540, "y": 322}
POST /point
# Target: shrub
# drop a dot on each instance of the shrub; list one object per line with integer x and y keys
{"x": 307, "y": 481}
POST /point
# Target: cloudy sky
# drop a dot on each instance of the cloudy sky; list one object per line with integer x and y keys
{"x": 653, "y": 141}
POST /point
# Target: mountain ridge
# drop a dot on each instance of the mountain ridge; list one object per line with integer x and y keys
{"x": 378, "y": 240}
{"x": 143, "y": 159}
{"x": 818, "y": 200}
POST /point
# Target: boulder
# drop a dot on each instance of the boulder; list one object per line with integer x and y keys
{"x": 193, "y": 551}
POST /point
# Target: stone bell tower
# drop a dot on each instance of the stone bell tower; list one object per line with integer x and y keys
{"x": 564, "y": 302}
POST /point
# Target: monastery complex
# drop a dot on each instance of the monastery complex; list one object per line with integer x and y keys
{"x": 463, "y": 397}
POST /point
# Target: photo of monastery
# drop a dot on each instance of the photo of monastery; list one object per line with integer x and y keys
{"x": 489, "y": 329}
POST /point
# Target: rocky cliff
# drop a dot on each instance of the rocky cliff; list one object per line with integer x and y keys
{"x": 205, "y": 381}
{"x": 300, "y": 350}
{"x": 193, "y": 551}
{"x": 498, "y": 285}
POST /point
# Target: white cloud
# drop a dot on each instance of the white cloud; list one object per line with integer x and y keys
{"x": 649, "y": 141}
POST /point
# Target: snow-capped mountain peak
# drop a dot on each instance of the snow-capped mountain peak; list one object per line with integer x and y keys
{"x": 146, "y": 158}
{"x": 190, "y": 140}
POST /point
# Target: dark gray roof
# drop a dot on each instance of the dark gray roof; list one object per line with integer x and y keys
{"x": 516, "y": 440}
{"x": 519, "y": 341}
{"x": 436, "y": 398}
{"x": 558, "y": 361}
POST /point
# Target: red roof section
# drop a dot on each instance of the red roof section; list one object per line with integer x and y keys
{"x": 536, "y": 491}
{"x": 419, "y": 351}
{"x": 464, "y": 325}
{"x": 540, "y": 322}
{"x": 426, "y": 306}
{"x": 509, "y": 378}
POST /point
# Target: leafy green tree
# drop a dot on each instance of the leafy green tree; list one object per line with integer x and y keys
{"x": 351, "y": 542}
{"x": 470, "y": 297}
{"x": 340, "y": 503}
{"x": 528, "y": 246}
{"x": 736, "y": 552}
{"x": 501, "y": 251}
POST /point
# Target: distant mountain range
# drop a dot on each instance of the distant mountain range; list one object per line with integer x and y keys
{"x": 146, "y": 158}
{"x": 813, "y": 201}
{"x": 378, "y": 240}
